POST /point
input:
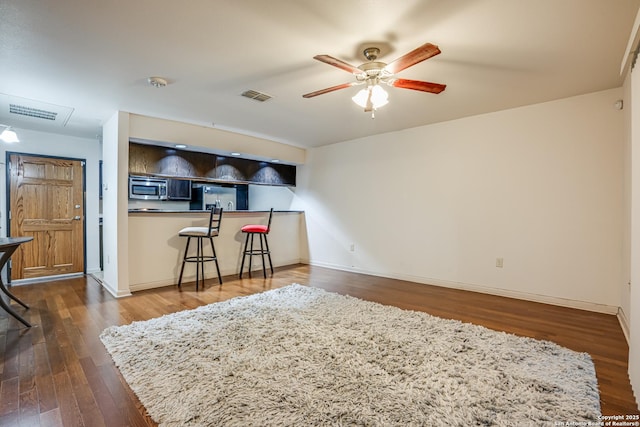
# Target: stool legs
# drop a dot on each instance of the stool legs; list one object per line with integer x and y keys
{"x": 184, "y": 260}
{"x": 264, "y": 250}
{"x": 199, "y": 259}
{"x": 244, "y": 254}
{"x": 215, "y": 258}
{"x": 264, "y": 270}
{"x": 266, "y": 243}
{"x": 199, "y": 265}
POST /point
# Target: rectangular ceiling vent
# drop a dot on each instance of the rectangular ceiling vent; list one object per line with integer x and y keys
{"x": 258, "y": 96}
{"x": 26, "y": 111}
{"x": 32, "y": 112}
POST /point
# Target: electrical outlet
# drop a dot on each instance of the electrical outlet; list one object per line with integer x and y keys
{"x": 499, "y": 262}
{"x": 352, "y": 248}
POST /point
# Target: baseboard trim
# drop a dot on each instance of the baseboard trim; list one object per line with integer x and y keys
{"x": 624, "y": 323}
{"x": 100, "y": 279}
{"x": 544, "y": 299}
{"x": 20, "y": 282}
{"x": 209, "y": 274}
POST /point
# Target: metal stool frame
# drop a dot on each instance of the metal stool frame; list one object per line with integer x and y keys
{"x": 262, "y": 236}
{"x": 201, "y": 233}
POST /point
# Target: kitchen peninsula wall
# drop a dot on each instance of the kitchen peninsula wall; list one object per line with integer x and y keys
{"x": 170, "y": 162}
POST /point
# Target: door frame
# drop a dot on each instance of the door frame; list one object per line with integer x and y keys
{"x": 8, "y": 205}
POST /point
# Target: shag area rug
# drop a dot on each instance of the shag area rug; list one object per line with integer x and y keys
{"x": 301, "y": 356}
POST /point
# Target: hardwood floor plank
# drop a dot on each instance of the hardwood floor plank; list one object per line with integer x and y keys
{"x": 10, "y": 367}
{"x": 59, "y": 374}
{"x": 3, "y": 348}
{"x": 10, "y": 420}
{"x": 81, "y": 390}
{"x": 29, "y": 408}
{"x": 26, "y": 366}
{"x": 107, "y": 406}
{"x": 47, "y": 398}
{"x": 69, "y": 410}
{"x": 50, "y": 320}
{"x": 9, "y": 396}
{"x": 124, "y": 397}
{"x": 51, "y": 418}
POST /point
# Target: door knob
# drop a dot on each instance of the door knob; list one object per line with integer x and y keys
{"x": 77, "y": 217}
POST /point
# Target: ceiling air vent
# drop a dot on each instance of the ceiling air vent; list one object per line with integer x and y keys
{"x": 258, "y": 96}
{"x": 32, "y": 112}
{"x": 26, "y": 111}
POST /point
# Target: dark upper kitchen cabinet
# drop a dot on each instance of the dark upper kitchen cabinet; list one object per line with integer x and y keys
{"x": 178, "y": 189}
{"x": 164, "y": 161}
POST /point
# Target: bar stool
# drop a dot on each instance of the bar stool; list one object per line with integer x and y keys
{"x": 201, "y": 233}
{"x": 262, "y": 231}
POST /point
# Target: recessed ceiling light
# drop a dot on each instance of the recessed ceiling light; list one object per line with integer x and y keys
{"x": 180, "y": 146}
{"x": 235, "y": 154}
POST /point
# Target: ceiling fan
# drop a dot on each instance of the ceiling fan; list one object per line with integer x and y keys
{"x": 374, "y": 72}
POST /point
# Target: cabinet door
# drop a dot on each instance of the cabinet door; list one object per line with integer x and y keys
{"x": 179, "y": 189}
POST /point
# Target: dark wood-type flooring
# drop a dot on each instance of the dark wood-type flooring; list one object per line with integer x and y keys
{"x": 58, "y": 372}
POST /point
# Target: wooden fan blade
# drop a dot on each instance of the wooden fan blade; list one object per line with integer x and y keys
{"x": 425, "y": 51}
{"x": 329, "y": 89}
{"x": 339, "y": 64}
{"x": 418, "y": 85}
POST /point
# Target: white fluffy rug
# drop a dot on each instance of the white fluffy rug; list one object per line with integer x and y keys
{"x": 301, "y": 356}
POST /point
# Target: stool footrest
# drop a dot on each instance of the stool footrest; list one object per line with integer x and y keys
{"x": 200, "y": 259}
{"x": 256, "y": 252}
{"x": 251, "y": 251}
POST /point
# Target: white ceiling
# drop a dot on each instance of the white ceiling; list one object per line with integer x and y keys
{"x": 94, "y": 57}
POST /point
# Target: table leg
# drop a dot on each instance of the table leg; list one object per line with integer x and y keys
{"x": 8, "y": 248}
{"x": 9, "y": 309}
{"x": 10, "y": 295}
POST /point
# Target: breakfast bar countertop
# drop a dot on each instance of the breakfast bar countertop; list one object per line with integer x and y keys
{"x": 187, "y": 211}
{"x": 156, "y": 249}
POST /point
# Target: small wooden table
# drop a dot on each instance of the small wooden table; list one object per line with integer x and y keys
{"x": 8, "y": 246}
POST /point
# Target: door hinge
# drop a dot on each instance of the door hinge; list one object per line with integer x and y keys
{"x": 82, "y": 163}
{"x": 9, "y": 215}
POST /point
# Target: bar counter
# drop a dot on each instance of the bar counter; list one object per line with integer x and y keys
{"x": 226, "y": 212}
{"x": 156, "y": 250}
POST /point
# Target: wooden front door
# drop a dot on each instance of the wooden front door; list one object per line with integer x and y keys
{"x": 46, "y": 203}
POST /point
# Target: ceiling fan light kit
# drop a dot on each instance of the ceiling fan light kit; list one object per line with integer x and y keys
{"x": 374, "y": 72}
{"x": 371, "y": 98}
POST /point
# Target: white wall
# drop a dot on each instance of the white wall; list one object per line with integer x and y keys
{"x": 540, "y": 186}
{"x": 115, "y": 152}
{"x": 51, "y": 144}
{"x": 634, "y": 339}
{"x": 265, "y": 197}
{"x": 625, "y": 285}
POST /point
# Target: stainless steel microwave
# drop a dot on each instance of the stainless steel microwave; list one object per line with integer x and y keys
{"x": 146, "y": 188}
